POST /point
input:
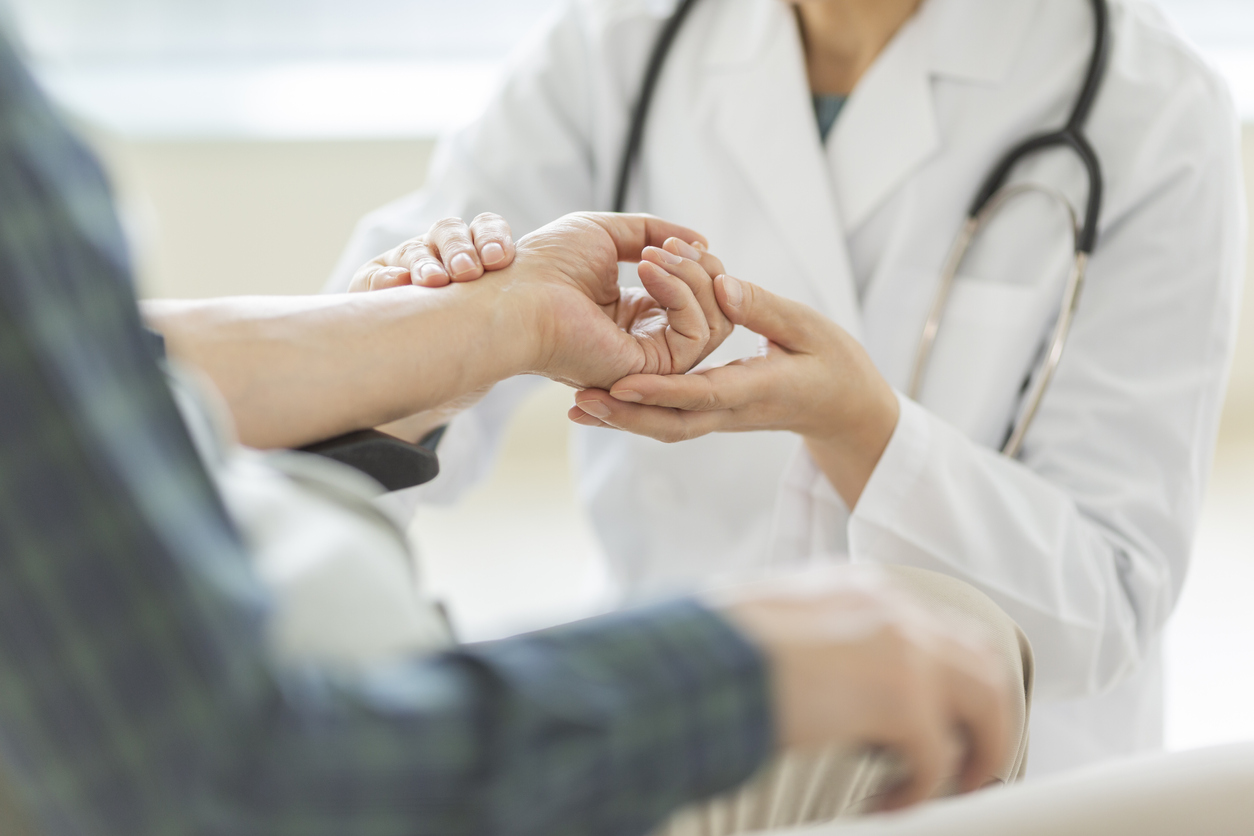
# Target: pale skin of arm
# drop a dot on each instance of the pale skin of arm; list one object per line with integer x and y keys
{"x": 295, "y": 370}
{"x": 486, "y": 245}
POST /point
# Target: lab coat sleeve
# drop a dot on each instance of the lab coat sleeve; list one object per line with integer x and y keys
{"x": 531, "y": 157}
{"x": 1085, "y": 539}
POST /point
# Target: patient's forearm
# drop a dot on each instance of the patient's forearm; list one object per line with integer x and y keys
{"x": 300, "y": 369}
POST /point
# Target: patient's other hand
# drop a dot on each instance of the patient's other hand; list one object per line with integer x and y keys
{"x": 451, "y": 251}
{"x": 857, "y": 663}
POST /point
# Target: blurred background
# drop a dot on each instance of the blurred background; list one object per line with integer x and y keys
{"x": 246, "y": 137}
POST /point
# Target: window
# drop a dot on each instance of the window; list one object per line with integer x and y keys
{"x": 273, "y": 69}
{"x": 337, "y": 68}
{"x": 1224, "y": 30}
{"x": 273, "y": 30}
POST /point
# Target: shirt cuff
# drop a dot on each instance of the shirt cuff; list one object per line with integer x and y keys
{"x": 893, "y": 481}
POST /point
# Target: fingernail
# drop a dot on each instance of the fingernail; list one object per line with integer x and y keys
{"x": 462, "y": 264}
{"x": 595, "y": 408}
{"x": 685, "y": 249}
{"x": 493, "y": 253}
{"x": 702, "y": 247}
{"x": 669, "y": 258}
{"x": 658, "y": 274}
{"x": 430, "y": 271}
{"x": 627, "y": 395}
{"x": 735, "y": 293}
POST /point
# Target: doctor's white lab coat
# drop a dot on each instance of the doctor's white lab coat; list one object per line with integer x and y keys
{"x": 1086, "y": 538}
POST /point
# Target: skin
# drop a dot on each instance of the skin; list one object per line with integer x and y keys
{"x": 410, "y": 261}
{"x": 853, "y": 663}
{"x": 922, "y": 685}
{"x": 556, "y": 310}
{"x": 844, "y": 37}
{"x": 811, "y": 378}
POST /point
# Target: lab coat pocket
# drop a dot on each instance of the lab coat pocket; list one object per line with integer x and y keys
{"x": 988, "y": 340}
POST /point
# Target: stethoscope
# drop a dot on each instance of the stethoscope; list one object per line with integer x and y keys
{"x": 993, "y": 196}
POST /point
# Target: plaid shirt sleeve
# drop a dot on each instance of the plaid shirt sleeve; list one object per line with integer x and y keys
{"x": 136, "y": 694}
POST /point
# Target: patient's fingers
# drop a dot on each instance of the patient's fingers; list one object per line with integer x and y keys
{"x": 687, "y": 331}
{"x": 981, "y": 698}
{"x": 494, "y": 241}
{"x": 700, "y": 277}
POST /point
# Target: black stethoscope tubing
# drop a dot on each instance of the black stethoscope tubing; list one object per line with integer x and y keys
{"x": 1071, "y": 135}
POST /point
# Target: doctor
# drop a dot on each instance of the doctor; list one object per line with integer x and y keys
{"x": 1084, "y": 536}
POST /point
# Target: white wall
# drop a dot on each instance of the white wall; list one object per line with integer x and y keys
{"x": 1239, "y": 415}
{"x": 230, "y": 218}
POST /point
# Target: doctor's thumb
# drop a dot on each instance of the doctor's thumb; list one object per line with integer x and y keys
{"x": 780, "y": 320}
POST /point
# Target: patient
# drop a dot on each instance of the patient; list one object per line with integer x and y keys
{"x": 141, "y": 692}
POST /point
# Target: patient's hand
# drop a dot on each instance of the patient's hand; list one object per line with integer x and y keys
{"x": 667, "y": 328}
{"x": 856, "y": 663}
{"x": 592, "y": 329}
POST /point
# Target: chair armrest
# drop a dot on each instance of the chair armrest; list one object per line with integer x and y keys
{"x": 394, "y": 463}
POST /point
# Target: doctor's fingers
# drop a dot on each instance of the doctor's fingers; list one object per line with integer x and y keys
{"x": 670, "y": 426}
{"x": 378, "y": 275}
{"x": 452, "y": 244}
{"x": 733, "y": 386}
{"x": 792, "y": 325}
{"x": 421, "y": 261}
{"x": 494, "y": 240}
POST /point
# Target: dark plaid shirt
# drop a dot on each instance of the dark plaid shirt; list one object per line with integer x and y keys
{"x": 136, "y": 693}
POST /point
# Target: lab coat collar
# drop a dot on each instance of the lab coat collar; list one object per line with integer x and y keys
{"x": 889, "y": 126}
{"x": 762, "y": 113}
{"x": 975, "y": 40}
{"x": 972, "y": 40}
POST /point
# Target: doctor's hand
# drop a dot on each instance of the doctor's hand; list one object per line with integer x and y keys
{"x": 812, "y": 378}
{"x": 858, "y": 664}
{"x": 451, "y": 251}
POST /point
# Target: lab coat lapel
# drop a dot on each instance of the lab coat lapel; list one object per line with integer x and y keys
{"x": 888, "y": 129}
{"x": 763, "y": 115}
